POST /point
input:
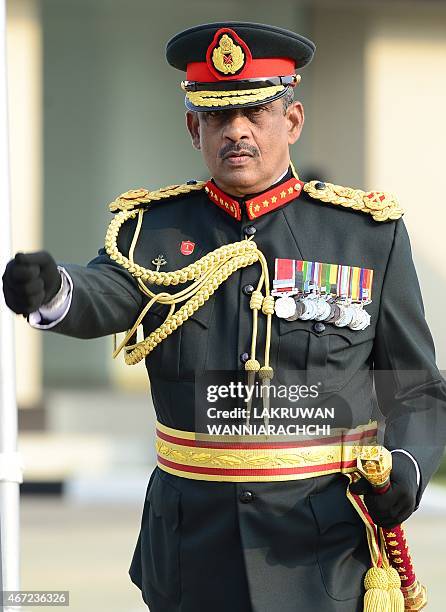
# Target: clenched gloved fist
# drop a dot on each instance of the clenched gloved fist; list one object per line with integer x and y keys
{"x": 395, "y": 505}
{"x": 30, "y": 280}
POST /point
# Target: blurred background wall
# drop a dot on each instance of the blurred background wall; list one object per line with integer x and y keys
{"x": 96, "y": 110}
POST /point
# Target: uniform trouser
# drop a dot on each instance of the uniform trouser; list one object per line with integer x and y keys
{"x": 297, "y": 547}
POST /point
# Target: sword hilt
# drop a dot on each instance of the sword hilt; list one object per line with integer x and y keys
{"x": 374, "y": 463}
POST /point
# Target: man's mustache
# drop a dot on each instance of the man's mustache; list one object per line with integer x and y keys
{"x": 233, "y": 147}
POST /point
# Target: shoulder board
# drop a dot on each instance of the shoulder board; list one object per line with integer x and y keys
{"x": 139, "y": 197}
{"x": 380, "y": 205}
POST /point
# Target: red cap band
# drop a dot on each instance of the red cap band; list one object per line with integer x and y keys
{"x": 257, "y": 68}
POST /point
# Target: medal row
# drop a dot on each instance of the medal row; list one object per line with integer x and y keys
{"x": 322, "y": 308}
{"x": 311, "y": 290}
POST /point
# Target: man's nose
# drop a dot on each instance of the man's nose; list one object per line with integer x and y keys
{"x": 236, "y": 127}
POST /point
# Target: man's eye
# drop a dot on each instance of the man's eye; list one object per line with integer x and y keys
{"x": 256, "y": 111}
{"x": 214, "y": 115}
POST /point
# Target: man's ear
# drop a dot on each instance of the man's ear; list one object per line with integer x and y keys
{"x": 295, "y": 121}
{"x": 193, "y": 126}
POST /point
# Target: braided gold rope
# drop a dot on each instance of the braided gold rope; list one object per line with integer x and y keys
{"x": 208, "y": 273}
{"x": 190, "y": 272}
{"x": 138, "y": 197}
{"x": 137, "y": 352}
{"x": 225, "y": 98}
{"x": 380, "y": 205}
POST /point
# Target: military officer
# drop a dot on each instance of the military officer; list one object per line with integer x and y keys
{"x": 279, "y": 280}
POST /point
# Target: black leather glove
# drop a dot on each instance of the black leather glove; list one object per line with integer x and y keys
{"x": 29, "y": 281}
{"x": 395, "y": 505}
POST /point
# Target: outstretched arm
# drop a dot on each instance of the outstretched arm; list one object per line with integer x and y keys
{"x": 105, "y": 299}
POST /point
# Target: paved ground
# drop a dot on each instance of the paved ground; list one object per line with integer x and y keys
{"x": 86, "y": 549}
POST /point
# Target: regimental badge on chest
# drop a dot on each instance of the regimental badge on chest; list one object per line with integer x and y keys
{"x": 333, "y": 293}
{"x": 187, "y": 247}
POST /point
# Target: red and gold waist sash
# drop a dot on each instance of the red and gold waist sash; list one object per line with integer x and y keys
{"x": 259, "y": 458}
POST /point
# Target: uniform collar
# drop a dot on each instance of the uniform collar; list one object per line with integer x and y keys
{"x": 284, "y": 190}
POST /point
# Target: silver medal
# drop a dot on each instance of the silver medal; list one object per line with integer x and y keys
{"x": 361, "y": 319}
{"x": 323, "y": 309}
{"x": 285, "y": 307}
{"x": 335, "y": 313}
{"x": 299, "y": 310}
{"x": 347, "y": 313}
{"x": 310, "y": 309}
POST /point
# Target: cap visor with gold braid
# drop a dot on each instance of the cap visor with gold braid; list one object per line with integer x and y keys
{"x": 237, "y": 64}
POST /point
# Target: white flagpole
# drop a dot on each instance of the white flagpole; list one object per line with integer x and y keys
{"x": 10, "y": 465}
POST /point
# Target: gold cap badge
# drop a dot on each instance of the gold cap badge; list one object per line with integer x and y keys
{"x": 228, "y": 54}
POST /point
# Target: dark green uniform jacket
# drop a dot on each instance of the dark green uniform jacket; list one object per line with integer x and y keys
{"x": 288, "y": 546}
